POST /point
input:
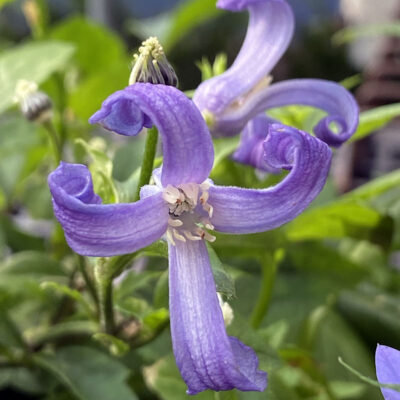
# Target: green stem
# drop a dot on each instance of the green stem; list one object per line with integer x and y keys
{"x": 105, "y": 295}
{"x": 55, "y": 142}
{"x": 89, "y": 284}
{"x": 268, "y": 271}
{"x": 148, "y": 160}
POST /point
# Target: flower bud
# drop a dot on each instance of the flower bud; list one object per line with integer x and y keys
{"x": 151, "y": 65}
{"x": 35, "y": 105}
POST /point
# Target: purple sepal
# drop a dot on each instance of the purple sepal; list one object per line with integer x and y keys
{"x": 237, "y": 5}
{"x": 206, "y": 357}
{"x": 102, "y": 230}
{"x": 187, "y": 146}
{"x": 325, "y": 95}
{"x": 387, "y": 362}
{"x": 251, "y": 148}
{"x": 238, "y": 210}
{"x": 269, "y": 32}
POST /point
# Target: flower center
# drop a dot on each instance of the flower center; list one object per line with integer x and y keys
{"x": 189, "y": 212}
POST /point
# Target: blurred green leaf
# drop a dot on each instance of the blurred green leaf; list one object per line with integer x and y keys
{"x": 352, "y": 33}
{"x": 101, "y": 170}
{"x": 375, "y": 313}
{"x": 4, "y": 2}
{"x": 67, "y": 291}
{"x": 22, "y": 379}
{"x": 88, "y": 373}
{"x": 173, "y": 26}
{"x": 164, "y": 378}
{"x": 374, "y": 119}
{"x": 328, "y": 336}
{"x": 34, "y": 61}
{"x": 224, "y": 147}
{"x": 336, "y": 220}
{"x": 223, "y": 281}
{"x": 96, "y": 47}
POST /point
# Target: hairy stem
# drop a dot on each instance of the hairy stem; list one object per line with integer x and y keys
{"x": 105, "y": 295}
{"x": 88, "y": 280}
{"x": 268, "y": 273}
{"x": 148, "y": 160}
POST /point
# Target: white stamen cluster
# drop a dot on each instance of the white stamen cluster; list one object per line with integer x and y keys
{"x": 151, "y": 65}
{"x": 226, "y": 309}
{"x": 184, "y": 222}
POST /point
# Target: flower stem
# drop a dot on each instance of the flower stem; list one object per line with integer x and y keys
{"x": 148, "y": 160}
{"x": 88, "y": 281}
{"x": 55, "y": 142}
{"x": 104, "y": 292}
{"x": 269, "y": 268}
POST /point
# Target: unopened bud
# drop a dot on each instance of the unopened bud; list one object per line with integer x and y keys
{"x": 151, "y": 65}
{"x": 35, "y": 105}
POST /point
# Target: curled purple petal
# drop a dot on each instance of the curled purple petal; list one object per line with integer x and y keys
{"x": 187, "y": 146}
{"x": 102, "y": 230}
{"x": 387, "y": 362}
{"x": 328, "y": 96}
{"x": 268, "y": 35}
{"x": 238, "y": 210}
{"x": 251, "y": 148}
{"x": 206, "y": 357}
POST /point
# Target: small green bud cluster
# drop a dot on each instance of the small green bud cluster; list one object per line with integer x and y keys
{"x": 151, "y": 65}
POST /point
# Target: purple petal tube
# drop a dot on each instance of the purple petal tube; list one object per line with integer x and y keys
{"x": 268, "y": 35}
{"x": 251, "y": 148}
{"x": 387, "y": 362}
{"x": 328, "y": 96}
{"x": 238, "y": 210}
{"x": 206, "y": 357}
{"x": 103, "y": 230}
{"x": 187, "y": 146}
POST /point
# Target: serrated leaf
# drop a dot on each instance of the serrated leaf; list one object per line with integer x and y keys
{"x": 34, "y": 61}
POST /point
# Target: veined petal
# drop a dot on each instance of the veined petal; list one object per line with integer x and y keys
{"x": 238, "y": 210}
{"x": 251, "y": 148}
{"x": 94, "y": 229}
{"x": 387, "y": 362}
{"x": 187, "y": 146}
{"x": 206, "y": 357}
{"x": 328, "y": 96}
{"x": 268, "y": 35}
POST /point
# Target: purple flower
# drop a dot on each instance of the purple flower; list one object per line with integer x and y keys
{"x": 387, "y": 362}
{"x": 183, "y": 206}
{"x": 233, "y": 98}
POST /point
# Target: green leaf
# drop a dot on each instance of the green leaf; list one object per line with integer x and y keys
{"x": 224, "y": 147}
{"x": 372, "y": 120}
{"x": 22, "y": 379}
{"x": 173, "y": 26}
{"x": 88, "y": 373}
{"x": 34, "y": 61}
{"x": 328, "y": 336}
{"x": 67, "y": 291}
{"x": 373, "y": 312}
{"x": 96, "y": 47}
{"x": 360, "y": 31}
{"x": 101, "y": 170}
{"x": 223, "y": 281}
{"x": 164, "y": 378}
{"x": 4, "y": 2}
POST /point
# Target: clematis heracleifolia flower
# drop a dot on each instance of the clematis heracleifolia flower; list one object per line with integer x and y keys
{"x": 230, "y": 100}
{"x": 183, "y": 207}
{"x": 387, "y": 361}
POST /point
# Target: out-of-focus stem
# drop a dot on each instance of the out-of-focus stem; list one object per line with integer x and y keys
{"x": 54, "y": 140}
{"x": 88, "y": 281}
{"x": 148, "y": 160}
{"x": 269, "y": 268}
